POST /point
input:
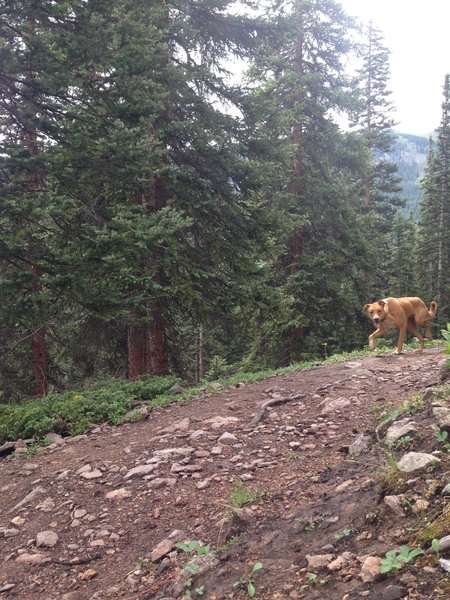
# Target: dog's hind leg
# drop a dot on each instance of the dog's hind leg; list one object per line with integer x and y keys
{"x": 412, "y": 327}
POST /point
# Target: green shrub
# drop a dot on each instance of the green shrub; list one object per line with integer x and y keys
{"x": 74, "y": 412}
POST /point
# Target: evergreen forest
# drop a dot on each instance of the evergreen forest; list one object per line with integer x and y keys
{"x": 179, "y": 195}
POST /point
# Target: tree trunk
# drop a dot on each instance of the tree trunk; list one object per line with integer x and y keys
{"x": 39, "y": 361}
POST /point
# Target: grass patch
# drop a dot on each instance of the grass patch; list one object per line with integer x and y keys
{"x": 242, "y": 494}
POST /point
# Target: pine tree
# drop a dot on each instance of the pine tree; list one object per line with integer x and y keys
{"x": 380, "y": 185}
{"x": 302, "y": 67}
{"x": 434, "y": 222}
{"x": 149, "y": 208}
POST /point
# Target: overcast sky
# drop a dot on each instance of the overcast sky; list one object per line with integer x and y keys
{"x": 418, "y": 37}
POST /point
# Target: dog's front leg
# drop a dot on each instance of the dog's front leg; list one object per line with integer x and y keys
{"x": 401, "y": 339}
{"x": 376, "y": 334}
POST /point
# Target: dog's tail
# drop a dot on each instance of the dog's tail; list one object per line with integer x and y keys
{"x": 432, "y": 310}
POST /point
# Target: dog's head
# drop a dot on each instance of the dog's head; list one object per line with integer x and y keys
{"x": 376, "y": 312}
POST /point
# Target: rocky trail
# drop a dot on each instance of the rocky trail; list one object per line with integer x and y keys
{"x": 293, "y": 474}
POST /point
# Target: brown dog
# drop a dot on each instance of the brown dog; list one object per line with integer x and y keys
{"x": 402, "y": 313}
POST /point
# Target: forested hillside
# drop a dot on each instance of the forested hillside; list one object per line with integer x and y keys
{"x": 409, "y": 154}
{"x": 159, "y": 216}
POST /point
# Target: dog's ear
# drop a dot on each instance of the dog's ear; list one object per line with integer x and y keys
{"x": 366, "y": 308}
{"x": 381, "y": 303}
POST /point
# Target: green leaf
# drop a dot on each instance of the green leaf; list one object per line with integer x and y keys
{"x": 250, "y": 589}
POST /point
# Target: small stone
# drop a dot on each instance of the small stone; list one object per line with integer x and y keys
{"x": 219, "y": 422}
{"x": 46, "y": 539}
{"x": 7, "y": 587}
{"x": 415, "y": 461}
{"x": 87, "y": 575}
{"x": 444, "y": 564}
{"x": 118, "y": 494}
{"x": 227, "y": 438}
{"x": 55, "y": 438}
{"x": 334, "y": 405}
{"x": 318, "y": 561}
{"x": 398, "y": 430}
{"x": 394, "y": 592}
{"x": 360, "y": 445}
{"x": 47, "y": 505}
{"x": 337, "y": 564}
{"x": 79, "y": 513}
{"x": 141, "y": 471}
{"x": 395, "y": 505}
{"x": 33, "y": 559}
{"x": 343, "y": 486}
{"x": 202, "y": 485}
{"x": 17, "y": 521}
{"x": 94, "y": 474}
{"x": 163, "y": 548}
{"x": 9, "y": 532}
{"x": 370, "y": 570}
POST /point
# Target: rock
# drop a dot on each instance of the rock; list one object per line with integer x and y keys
{"x": 170, "y": 453}
{"x": 46, "y": 539}
{"x": 202, "y": 485}
{"x": 34, "y": 492}
{"x": 395, "y": 505}
{"x": 318, "y": 561}
{"x": 7, "y": 448}
{"x": 197, "y": 434}
{"x": 446, "y": 490}
{"x": 136, "y": 414}
{"x": 398, "y": 430}
{"x": 394, "y": 592}
{"x": 442, "y": 415}
{"x": 179, "y": 426}
{"x": 444, "y": 545}
{"x": 7, "y": 587}
{"x": 360, "y": 445}
{"x": 94, "y": 474}
{"x": 415, "y": 461}
{"x": 343, "y": 486}
{"x": 55, "y": 438}
{"x": 444, "y": 371}
{"x": 444, "y": 564}
{"x": 18, "y": 521}
{"x": 9, "y": 532}
{"x": 118, "y": 494}
{"x": 141, "y": 471}
{"x": 180, "y": 468}
{"x": 163, "y": 548}
{"x": 370, "y": 570}
{"x": 336, "y": 565}
{"x": 161, "y": 482}
{"x": 337, "y": 404}
{"x": 33, "y": 559}
{"x": 79, "y": 513}
{"x": 219, "y": 422}
{"x": 87, "y": 575}
{"x": 227, "y": 438}
{"x": 47, "y": 505}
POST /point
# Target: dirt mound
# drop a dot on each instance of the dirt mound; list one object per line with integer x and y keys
{"x": 301, "y": 504}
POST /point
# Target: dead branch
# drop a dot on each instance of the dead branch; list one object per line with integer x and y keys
{"x": 274, "y": 402}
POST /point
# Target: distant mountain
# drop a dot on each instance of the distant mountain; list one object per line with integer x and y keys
{"x": 409, "y": 154}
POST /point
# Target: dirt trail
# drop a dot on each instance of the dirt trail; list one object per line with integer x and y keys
{"x": 98, "y": 516}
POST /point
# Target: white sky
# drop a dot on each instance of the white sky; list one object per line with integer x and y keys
{"x": 417, "y": 34}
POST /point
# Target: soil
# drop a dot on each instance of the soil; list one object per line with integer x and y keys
{"x": 273, "y": 493}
